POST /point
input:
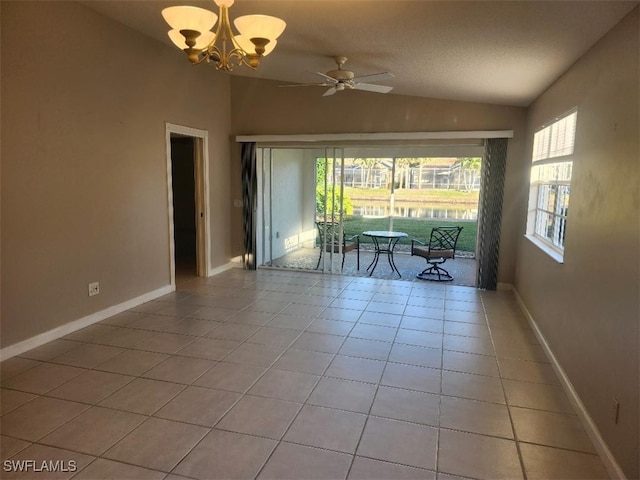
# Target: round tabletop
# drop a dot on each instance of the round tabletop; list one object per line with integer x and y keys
{"x": 384, "y": 234}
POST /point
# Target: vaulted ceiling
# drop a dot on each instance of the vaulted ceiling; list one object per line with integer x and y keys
{"x": 501, "y": 52}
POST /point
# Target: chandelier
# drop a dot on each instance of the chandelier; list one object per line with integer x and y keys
{"x": 191, "y": 32}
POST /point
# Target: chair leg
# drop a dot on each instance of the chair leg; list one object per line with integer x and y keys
{"x": 319, "y": 258}
{"x": 434, "y": 269}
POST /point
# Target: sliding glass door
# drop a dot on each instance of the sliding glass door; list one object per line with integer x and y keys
{"x": 300, "y": 208}
{"x": 313, "y": 200}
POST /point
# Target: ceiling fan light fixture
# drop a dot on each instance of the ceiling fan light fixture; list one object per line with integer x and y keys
{"x": 191, "y": 32}
{"x": 341, "y": 79}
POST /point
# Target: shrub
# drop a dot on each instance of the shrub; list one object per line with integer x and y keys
{"x": 330, "y": 203}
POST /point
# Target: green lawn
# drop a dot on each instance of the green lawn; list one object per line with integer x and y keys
{"x": 427, "y": 195}
{"x": 413, "y": 227}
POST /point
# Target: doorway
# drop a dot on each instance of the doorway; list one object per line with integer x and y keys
{"x": 188, "y": 187}
{"x": 184, "y": 204}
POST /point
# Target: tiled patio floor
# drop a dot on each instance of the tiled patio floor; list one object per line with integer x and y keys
{"x": 463, "y": 268}
{"x": 279, "y": 374}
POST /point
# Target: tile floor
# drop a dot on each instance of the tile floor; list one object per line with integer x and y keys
{"x": 463, "y": 268}
{"x": 281, "y": 374}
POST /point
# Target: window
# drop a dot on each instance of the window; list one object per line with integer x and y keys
{"x": 552, "y": 160}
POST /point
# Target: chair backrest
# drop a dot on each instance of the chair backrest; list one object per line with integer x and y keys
{"x": 444, "y": 238}
{"x": 329, "y": 229}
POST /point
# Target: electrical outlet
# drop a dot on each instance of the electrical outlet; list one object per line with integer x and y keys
{"x": 94, "y": 289}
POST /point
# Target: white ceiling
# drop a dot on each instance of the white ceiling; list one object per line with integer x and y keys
{"x": 501, "y": 52}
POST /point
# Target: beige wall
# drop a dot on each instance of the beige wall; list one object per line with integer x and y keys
{"x": 261, "y": 107}
{"x": 84, "y": 174}
{"x": 587, "y": 308}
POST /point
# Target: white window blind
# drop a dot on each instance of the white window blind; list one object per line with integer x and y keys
{"x": 556, "y": 140}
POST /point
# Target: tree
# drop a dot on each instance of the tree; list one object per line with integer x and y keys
{"x": 403, "y": 169}
{"x": 367, "y": 165}
{"x": 470, "y": 169}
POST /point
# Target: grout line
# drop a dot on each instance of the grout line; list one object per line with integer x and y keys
{"x": 378, "y": 384}
{"x": 439, "y": 437}
{"x": 504, "y": 393}
{"x": 295, "y": 417}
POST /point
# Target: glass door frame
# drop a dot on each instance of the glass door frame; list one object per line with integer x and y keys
{"x": 334, "y": 156}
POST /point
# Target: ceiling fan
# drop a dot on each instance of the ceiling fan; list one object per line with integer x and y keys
{"x": 338, "y": 80}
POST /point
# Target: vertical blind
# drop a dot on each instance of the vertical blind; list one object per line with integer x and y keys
{"x": 249, "y": 194}
{"x": 493, "y": 171}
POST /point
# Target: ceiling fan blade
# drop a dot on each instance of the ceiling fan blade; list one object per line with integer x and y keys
{"x": 328, "y": 78}
{"x": 372, "y": 88}
{"x": 376, "y": 77}
{"x": 306, "y": 85}
{"x": 331, "y": 91}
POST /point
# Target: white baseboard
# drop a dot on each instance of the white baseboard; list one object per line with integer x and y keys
{"x": 67, "y": 328}
{"x": 609, "y": 461}
{"x": 220, "y": 269}
{"x": 237, "y": 261}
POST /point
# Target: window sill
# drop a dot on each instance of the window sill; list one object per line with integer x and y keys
{"x": 555, "y": 255}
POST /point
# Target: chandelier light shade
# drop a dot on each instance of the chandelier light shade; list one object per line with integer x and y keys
{"x": 260, "y": 26}
{"x": 191, "y": 32}
{"x": 189, "y": 18}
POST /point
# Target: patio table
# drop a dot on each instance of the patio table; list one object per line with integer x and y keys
{"x": 383, "y": 242}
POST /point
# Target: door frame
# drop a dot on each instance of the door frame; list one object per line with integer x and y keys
{"x": 201, "y": 183}
{"x": 456, "y": 143}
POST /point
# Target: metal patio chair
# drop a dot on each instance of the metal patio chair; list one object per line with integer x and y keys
{"x": 440, "y": 248}
{"x": 331, "y": 232}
